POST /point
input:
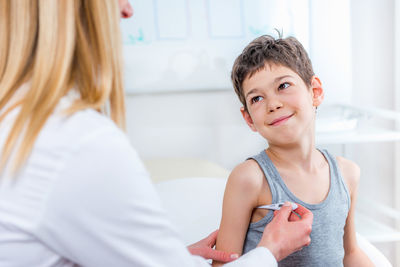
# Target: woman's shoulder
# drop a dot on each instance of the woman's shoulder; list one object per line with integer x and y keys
{"x": 87, "y": 134}
{"x": 87, "y": 148}
{"x": 71, "y": 130}
{"x": 79, "y": 124}
{"x": 88, "y": 121}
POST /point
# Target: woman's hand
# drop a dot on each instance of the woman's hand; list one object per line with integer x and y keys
{"x": 204, "y": 248}
{"x": 287, "y": 232}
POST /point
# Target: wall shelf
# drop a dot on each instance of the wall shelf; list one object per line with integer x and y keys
{"x": 364, "y": 135}
{"x": 352, "y": 124}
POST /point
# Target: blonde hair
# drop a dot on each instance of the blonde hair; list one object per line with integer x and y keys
{"x": 56, "y": 45}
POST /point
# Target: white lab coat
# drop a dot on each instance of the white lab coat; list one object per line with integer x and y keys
{"x": 84, "y": 198}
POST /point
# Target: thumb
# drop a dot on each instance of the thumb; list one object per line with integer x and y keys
{"x": 222, "y": 256}
{"x": 285, "y": 211}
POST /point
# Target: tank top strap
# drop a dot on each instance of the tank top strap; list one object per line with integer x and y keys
{"x": 338, "y": 185}
{"x": 270, "y": 172}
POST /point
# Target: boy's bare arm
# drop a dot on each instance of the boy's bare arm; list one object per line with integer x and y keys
{"x": 241, "y": 196}
{"x": 354, "y": 256}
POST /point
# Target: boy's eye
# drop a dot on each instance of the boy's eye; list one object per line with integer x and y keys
{"x": 283, "y": 86}
{"x": 256, "y": 99}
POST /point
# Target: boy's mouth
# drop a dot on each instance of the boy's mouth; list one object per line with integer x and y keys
{"x": 280, "y": 120}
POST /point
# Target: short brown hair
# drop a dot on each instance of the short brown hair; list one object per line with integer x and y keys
{"x": 287, "y": 52}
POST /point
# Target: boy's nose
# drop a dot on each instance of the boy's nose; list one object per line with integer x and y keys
{"x": 272, "y": 107}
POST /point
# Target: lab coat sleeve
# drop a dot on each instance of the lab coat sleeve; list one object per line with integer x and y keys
{"x": 104, "y": 211}
{"x": 258, "y": 257}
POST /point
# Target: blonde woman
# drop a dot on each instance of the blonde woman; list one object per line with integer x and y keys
{"x": 72, "y": 189}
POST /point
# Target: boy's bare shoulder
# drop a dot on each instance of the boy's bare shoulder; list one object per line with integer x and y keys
{"x": 350, "y": 171}
{"x": 247, "y": 175}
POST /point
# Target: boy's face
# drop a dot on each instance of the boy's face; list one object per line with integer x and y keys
{"x": 279, "y": 104}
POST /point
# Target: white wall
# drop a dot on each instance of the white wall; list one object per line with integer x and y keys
{"x": 205, "y": 125}
{"x": 373, "y": 85}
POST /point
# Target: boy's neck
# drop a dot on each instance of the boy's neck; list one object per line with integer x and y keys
{"x": 306, "y": 158}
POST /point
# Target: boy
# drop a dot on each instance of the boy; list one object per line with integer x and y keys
{"x": 275, "y": 82}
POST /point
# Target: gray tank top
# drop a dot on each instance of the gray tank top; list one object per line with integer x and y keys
{"x": 326, "y": 248}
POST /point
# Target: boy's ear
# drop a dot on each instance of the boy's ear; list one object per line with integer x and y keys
{"x": 248, "y": 119}
{"x": 317, "y": 91}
